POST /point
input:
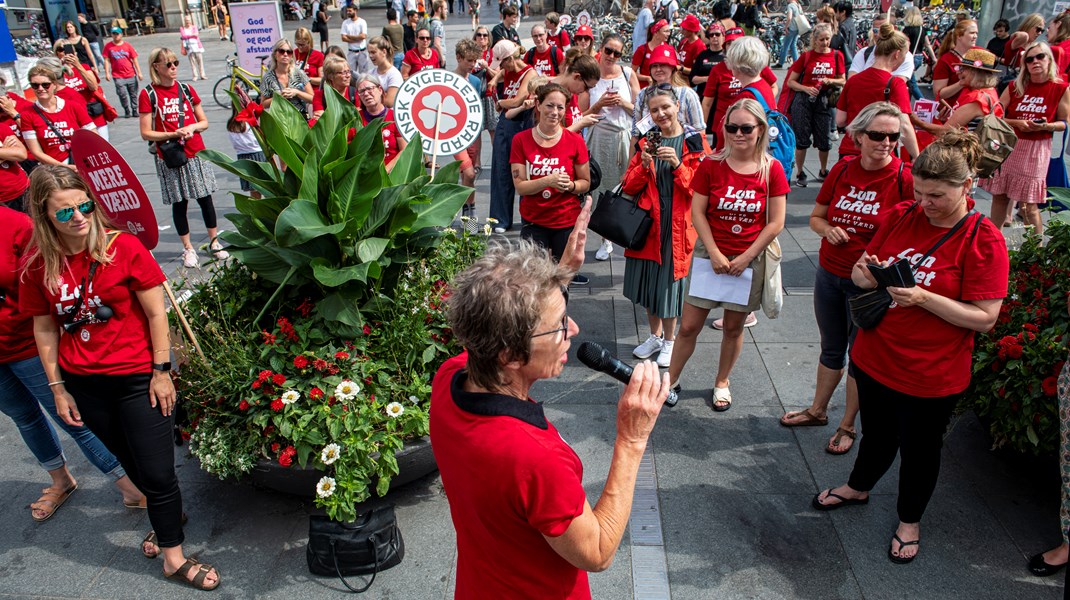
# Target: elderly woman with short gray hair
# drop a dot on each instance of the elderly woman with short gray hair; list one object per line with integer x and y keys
{"x": 369, "y": 100}
{"x": 285, "y": 79}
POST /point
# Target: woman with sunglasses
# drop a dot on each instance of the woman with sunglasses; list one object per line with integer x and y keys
{"x": 380, "y": 51}
{"x": 957, "y": 42}
{"x": 738, "y": 208}
{"x": 308, "y": 59}
{"x": 50, "y": 123}
{"x": 551, "y": 172}
{"x": 811, "y": 77}
{"x": 108, "y": 370}
{"x": 1028, "y": 32}
{"x": 584, "y": 41}
{"x": 1037, "y": 104}
{"x": 913, "y": 367}
{"x": 850, "y": 207}
{"x": 660, "y": 177}
{"x": 423, "y": 56}
{"x": 285, "y": 79}
{"x": 337, "y": 76}
{"x": 370, "y": 96}
{"x": 182, "y": 121}
{"x": 705, "y": 61}
{"x": 664, "y": 70}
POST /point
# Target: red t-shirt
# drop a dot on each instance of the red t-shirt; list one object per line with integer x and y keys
{"x": 418, "y": 63}
{"x": 511, "y": 82}
{"x": 13, "y": 180}
{"x": 1040, "y": 101}
{"x": 16, "y": 328}
{"x": 559, "y": 39}
{"x": 986, "y": 99}
{"x": 1064, "y": 57}
{"x": 318, "y": 103}
{"x": 1011, "y": 57}
{"x": 511, "y": 479}
{"x": 120, "y": 346}
{"x": 312, "y": 64}
{"x": 167, "y": 111}
{"x": 21, "y": 105}
{"x": 737, "y": 204}
{"x": 912, "y": 350}
{"x": 857, "y": 202}
{"x": 723, "y": 87}
{"x": 543, "y": 62}
{"x": 572, "y": 111}
{"x": 947, "y": 67}
{"x": 76, "y": 82}
{"x": 390, "y": 132}
{"x": 122, "y": 59}
{"x": 640, "y": 64}
{"x": 69, "y": 117}
{"x": 865, "y": 88}
{"x": 828, "y": 65}
{"x": 688, "y": 51}
{"x": 551, "y": 207}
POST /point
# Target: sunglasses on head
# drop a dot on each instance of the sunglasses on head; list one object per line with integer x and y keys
{"x": 880, "y": 136}
{"x": 734, "y": 129}
{"x": 41, "y": 86}
{"x": 64, "y": 215}
{"x": 1029, "y": 59}
{"x": 612, "y": 52}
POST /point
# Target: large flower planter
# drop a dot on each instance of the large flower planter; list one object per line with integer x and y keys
{"x": 415, "y": 461}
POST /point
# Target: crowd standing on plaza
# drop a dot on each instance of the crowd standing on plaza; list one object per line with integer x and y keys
{"x": 694, "y": 133}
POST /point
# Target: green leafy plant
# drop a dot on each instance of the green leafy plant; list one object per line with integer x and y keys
{"x": 1016, "y": 365}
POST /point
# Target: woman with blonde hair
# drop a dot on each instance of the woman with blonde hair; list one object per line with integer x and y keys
{"x": 812, "y": 77}
{"x": 108, "y": 370}
{"x": 308, "y": 59}
{"x": 337, "y": 76}
{"x": 48, "y": 126}
{"x": 285, "y": 79}
{"x": 1059, "y": 40}
{"x": 979, "y": 76}
{"x": 1028, "y": 32}
{"x": 738, "y": 208}
{"x": 914, "y": 29}
{"x": 1037, "y": 103}
{"x": 380, "y": 54}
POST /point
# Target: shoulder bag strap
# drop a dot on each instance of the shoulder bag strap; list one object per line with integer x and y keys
{"x": 50, "y": 124}
{"x": 921, "y": 33}
{"x": 946, "y": 237}
{"x": 899, "y": 179}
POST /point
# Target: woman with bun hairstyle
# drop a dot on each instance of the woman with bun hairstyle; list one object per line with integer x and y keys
{"x": 857, "y": 194}
{"x": 914, "y": 366}
{"x": 738, "y": 208}
{"x": 97, "y": 302}
{"x": 960, "y": 40}
{"x": 1037, "y": 103}
{"x": 868, "y": 86}
{"x": 811, "y": 77}
{"x": 661, "y": 177}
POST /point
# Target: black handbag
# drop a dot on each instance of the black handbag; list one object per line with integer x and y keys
{"x": 366, "y": 546}
{"x": 173, "y": 152}
{"x": 619, "y": 219}
{"x": 868, "y": 308}
{"x": 95, "y": 108}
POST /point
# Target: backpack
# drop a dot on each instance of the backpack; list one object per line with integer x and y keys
{"x": 662, "y": 11}
{"x": 529, "y": 58}
{"x": 781, "y": 135}
{"x": 997, "y": 141}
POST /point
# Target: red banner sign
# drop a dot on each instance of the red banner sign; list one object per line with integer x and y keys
{"x": 118, "y": 190}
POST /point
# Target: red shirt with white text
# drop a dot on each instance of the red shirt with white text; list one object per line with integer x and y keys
{"x": 1040, "y": 101}
{"x": 390, "y": 132}
{"x": 543, "y": 62}
{"x": 737, "y": 203}
{"x": 813, "y": 66}
{"x": 167, "y": 111}
{"x": 68, "y": 118}
{"x": 549, "y": 207}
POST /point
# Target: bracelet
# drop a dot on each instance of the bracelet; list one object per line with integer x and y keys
{"x": 60, "y": 382}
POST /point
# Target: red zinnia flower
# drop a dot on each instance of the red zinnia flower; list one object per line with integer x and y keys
{"x": 1014, "y": 351}
{"x": 333, "y": 369}
{"x": 315, "y": 393}
{"x": 306, "y": 306}
{"x": 367, "y": 329}
{"x": 301, "y": 361}
{"x": 275, "y": 447}
{"x": 341, "y": 355}
{"x": 256, "y": 385}
{"x": 243, "y": 405}
{"x": 285, "y": 459}
{"x": 264, "y": 375}
{"x": 1030, "y": 327}
{"x": 185, "y": 435}
{"x": 1050, "y": 385}
{"x": 269, "y": 338}
{"x": 278, "y": 379}
{"x": 277, "y": 405}
{"x": 319, "y": 364}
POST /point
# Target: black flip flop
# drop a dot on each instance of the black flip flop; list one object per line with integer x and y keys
{"x": 901, "y": 560}
{"x": 816, "y": 503}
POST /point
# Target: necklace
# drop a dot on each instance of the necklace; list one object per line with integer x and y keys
{"x": 541, "y": 135}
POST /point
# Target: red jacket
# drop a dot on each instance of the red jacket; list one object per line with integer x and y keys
{"x": 639, "y": 179}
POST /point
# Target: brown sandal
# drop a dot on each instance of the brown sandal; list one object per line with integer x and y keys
{"x": 203, "y": 569}
{"x": 808, "y": 419}
{"x": 151, "y": 539}
{"x": 835, "y": 443}
{"x": 50, "y": 501}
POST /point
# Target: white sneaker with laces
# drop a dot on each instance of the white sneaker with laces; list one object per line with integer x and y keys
{"x": 189, "y": 258}
{"x": 218, "y": 251}
{"x": 665, "y": 356}
{"x": 649, "y": 348}
{"x": 604, "y": 250}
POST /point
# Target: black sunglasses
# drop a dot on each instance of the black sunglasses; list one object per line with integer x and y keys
{"x": 284, "y": 51}
{"x": 480, "y": 35}
{"x": 41, "y": 86}
{"x": 612, "y": 52}
{"x": 169, "y": 64}
{"x": 880, "y": 136}
{"x": 564, "y": 320}
{"x": 422, "y": 37}
{"x": 734, "y": 129}
{"x": 64, "y": 215}
{"x": 1029, "y": 59}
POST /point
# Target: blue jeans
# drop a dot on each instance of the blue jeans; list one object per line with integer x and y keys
{"x": 23, "y": 392}
{"x": 95, "y": 47}
{"x": 502, "y": 192}
{"x": 398, "y": 57}
{"x": 834, "y": 317}
{"x": 915, "y": 91}
{"x": 790, "y": 42}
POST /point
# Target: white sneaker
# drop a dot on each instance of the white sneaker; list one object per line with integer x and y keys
{"x": 665, "y": 356}
{"x": 499, "y": 230}
{"x": 189, "y": 258}
{"x": 834, "y": 136}
{"x": 218, "y": 251}
{"x": 604, "y": 251}
{"x": 649, "y": 348}
{"x": 750, "y": 322}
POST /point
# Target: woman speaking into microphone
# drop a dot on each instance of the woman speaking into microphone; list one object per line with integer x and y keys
{"x": 101, "y": 330}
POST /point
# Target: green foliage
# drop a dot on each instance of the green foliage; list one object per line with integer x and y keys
{"x": 1016, "y": 365}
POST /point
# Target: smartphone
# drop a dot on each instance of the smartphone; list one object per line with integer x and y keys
{"x": 653, "y": 140}
{"x": 69, "y": 49}
{"x": 1040, "y": 121}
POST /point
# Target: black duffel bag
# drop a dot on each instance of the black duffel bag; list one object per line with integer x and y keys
{"x": 366, "y": 546}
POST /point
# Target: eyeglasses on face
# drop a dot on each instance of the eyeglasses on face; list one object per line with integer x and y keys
{"x": 880, "y": 136}
{"x": 41, "y": 86}
{"x": 1029, "y": 59}
{"x": 64, "y": 215}
{"x": 734, "y": 129}
{"x": 611, "y": 52}
{"x": 564, "y": 320}
{"x": 367, "y": 89}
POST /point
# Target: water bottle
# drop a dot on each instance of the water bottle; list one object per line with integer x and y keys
{"x": 814, "y": 98}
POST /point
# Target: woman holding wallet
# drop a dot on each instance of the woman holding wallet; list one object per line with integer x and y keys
{"x": 101, "y": 329}
{"x": 660, "y": 175}
{"x": 738, "y": 208}
{"x": 914, "y": 365}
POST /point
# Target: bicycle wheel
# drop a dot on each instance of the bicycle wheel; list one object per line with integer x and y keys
{"x": 219, "y": 91}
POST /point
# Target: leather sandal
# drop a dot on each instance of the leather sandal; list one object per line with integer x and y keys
{"x": 151, "y": 539}
{"x": 50, "y": 501}
{"x": 835, "y": 441}
{"x": 203, "y": 569}
{"x": 809, "y": 419}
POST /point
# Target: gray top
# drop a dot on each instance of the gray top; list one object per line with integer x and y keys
{"x": 269, "y": 86}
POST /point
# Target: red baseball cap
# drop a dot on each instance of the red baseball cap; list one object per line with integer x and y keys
{"x": 691, "y": 23}
{"x": 584, "y": 31}
{"x": 663, "y": 55}
{"x": 733, "y": 34}
{"x": 658, "y": 26}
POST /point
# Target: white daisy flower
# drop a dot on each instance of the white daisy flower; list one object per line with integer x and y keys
{"x": 290, "y": 396}
{"x": 487, "y": 230}
{"x": 326, "y": 486}
{"x": 492, "y": 220}
{"x": 346, "y": 391}
{"x": 330, "y": 453}
{"x": 394, "y": 410}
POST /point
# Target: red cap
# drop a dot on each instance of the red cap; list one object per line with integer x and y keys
{"x": 584, "y": 30}
{"x": 658, "y": 26}
{"x": 663, "y": 55}
{"x": 733, "y": 34}
{"x": 691, "y": 23}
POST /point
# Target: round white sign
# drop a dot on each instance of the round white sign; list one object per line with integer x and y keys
{"x": 584, "y": 18}
{"x": 437, "y": 97}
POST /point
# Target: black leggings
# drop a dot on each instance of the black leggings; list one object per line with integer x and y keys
{"x": 896, "y": 422}
{"x": 178, "y": 214}
{"x": 116, "y": 408}
{"x": 553, "y": 240}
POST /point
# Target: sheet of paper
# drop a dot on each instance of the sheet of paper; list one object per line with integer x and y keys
{"x": 644, "y": 124}
{"x": 722, "y": 288}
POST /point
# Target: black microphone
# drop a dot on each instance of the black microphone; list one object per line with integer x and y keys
{"x": 600, "y": 359}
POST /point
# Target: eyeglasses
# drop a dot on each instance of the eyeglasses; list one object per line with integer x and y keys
{"x": 564, "y": 321}
{"x": 880, "y": 136}
{"x": 284, "y": 51}
{"x": 64, "y": 215}
{"x": 587, "y": 86}
{"x": 478, "y": 35}
{"x": 169, "y": 64}
{"x": 423, "y": 37}
{"x": 734, "y": 129}
{"x": 612, "y": 52}
{"x": 367, "y": 89}
{"x": 41, "y": 86}
{"x": 715, "y": 34}
{"x": 1029, "y": 59}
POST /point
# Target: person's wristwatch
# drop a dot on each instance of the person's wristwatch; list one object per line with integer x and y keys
{"x": 165, "y": 367}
